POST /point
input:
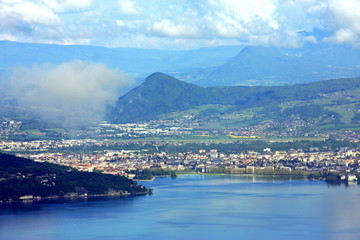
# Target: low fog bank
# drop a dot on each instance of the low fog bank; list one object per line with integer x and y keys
{"x": 73, "y": 94}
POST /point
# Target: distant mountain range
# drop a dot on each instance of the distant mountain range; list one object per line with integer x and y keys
{"x": 217, "y": 66}
{"x": 161, "y": 96}
{"x": 137, "y": 62}
{"x": 256, "y": 65}
{"x": 260, "y": 81}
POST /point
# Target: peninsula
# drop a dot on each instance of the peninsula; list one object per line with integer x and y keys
{"x": 23, "y": 179}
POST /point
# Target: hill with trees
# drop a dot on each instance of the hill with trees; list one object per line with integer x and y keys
{"x": 22, "y": 178}
{"x": 164, "y": 97}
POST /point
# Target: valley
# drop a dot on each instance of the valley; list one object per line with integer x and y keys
{"x": 166, "y": 125}
{"x": 310, "y": 134}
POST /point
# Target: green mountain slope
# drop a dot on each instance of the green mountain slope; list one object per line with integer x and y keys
{"x": 160, "y": 95}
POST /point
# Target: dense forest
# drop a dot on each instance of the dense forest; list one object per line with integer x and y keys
{"x": 23, "y": 177}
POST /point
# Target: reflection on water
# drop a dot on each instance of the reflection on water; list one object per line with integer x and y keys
{"x": 198, "y": 207}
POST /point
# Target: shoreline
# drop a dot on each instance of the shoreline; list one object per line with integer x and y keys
{"x": 144, "y": 180}
{"x": 296, "y": 176}
{"x": 152, "y": 179}
{"x": 71, "y": 197}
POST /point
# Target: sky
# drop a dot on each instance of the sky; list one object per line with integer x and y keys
{"x": 181, "y": 24}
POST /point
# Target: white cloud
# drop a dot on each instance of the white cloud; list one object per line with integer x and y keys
{"x": 74, "y": 92}
{"x": 246, "y": 11}
{"x": 76, "y": 4}
{"x": 226, "y": 30}
{"x": 148, "y": 24}
{"x": 11, "y": 1}
{"x": 64, "y": 5}
{"x": 167, "y": 28}
{"x": 310, "y": 39}
{"x": 343, "y": 36}
{"x": 78, "y": 41}
{"x": 7, "y": 37}
{"x": 28, "y": 12}
{"x": 345, "y": 21}
{"x": 127, "y": 7}
{"x": 120, "y": 23}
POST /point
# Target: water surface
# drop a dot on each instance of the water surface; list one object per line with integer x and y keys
{"x": 198, "y": 207}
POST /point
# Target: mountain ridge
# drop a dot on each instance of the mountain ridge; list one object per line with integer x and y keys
{"x": 126, "y": 60}
{"x": 162, "y": 94}
{"x": 258, "y": 65}
{"x": 217, "y": 66}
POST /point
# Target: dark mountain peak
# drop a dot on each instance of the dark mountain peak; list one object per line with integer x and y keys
{"x": 168, "y": 83}
{"x": 156, "y": 75}
{"x": 160, "y": 78}
{"x": 160, "y": 93}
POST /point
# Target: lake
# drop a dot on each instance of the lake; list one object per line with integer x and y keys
{"x": 198, "y": 207}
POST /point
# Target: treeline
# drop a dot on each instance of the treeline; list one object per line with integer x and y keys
{"x": 330, "y": 177}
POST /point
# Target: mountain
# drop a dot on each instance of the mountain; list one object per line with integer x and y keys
{"x": 23, "y": 177}
{"x": 256, "y": 65}
{"x": 216, "y": 66}
{"x": 133, "y": 61}
{"x": 160, "y": 95}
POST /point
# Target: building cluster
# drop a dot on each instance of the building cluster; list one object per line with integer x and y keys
{"x": 8, "y": 126}
{"x": 161, "y": 128}
{"x": 45, "y": 145}
{"x": 124, "y": 161}
{"x": 186, "y": 126}
{"x": 104, "y": 153}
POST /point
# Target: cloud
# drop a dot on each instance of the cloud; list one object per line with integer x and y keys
{"x": 120, "y": 23}
{"x": 343, "y": 36}
{"x": 243, "y": 11}
{"x": 310, "y": 39}
{"x": 344, "y": 21}
{"x": 41, "y": 20}
{"x": 182, "y": 29}
{"x": 72, "y": 94}
{"x": 76, "y": 4}
{"x": 8, "y": 37}
{"x": 184, "y": 23}
{"x": 27, "y": 12}
{"x": 266, "y": 22}
{"x": 127, "y": 7}
{"x": 66, "y": 5}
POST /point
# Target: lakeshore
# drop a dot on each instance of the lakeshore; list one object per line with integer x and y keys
{"x": 73, "y": 197}
{"x": 204, "y": 206}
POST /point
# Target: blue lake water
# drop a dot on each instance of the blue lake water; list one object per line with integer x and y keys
{"x": 199, "y": 207}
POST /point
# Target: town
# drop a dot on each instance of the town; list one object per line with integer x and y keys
{"x": 121, "y": 162}
{"x": 123, "y": 149}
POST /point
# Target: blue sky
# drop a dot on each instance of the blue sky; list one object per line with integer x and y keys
{"x": 181, "y": 24}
